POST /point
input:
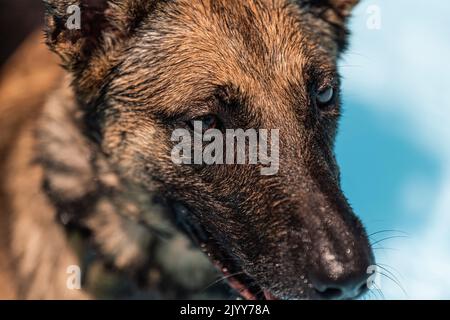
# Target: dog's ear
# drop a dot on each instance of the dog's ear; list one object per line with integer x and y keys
{"x": 336, "y": 14}
{"x": 341, "y": 9}
{"x": 87, "y": 33}
{"x": 75, "y": 29}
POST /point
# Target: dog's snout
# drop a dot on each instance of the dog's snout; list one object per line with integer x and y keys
{"x": 345, "y": 286}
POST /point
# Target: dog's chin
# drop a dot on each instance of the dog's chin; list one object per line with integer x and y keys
{"x": 243, "y": 285}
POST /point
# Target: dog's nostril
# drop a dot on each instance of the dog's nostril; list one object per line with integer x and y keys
{"x": 348, "y": 287}
{"x": 330, "y": 293}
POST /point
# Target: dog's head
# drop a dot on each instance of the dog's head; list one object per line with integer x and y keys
{"x": 143, "y": 69}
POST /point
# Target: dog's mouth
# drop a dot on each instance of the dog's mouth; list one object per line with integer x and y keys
{"x": 243, "y": 285}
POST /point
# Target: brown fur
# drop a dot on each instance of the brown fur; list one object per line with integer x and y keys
{"x": 92, "y": 176}
{"x": 24, "y": 85}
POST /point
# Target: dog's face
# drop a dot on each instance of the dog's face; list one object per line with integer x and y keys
{"x": 146, "y": 68}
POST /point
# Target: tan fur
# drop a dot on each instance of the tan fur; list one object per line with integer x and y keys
{"x": 24, "y": 84}
{"x": 36, "y": 239}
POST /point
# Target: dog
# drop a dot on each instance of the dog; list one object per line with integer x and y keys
{"x": 94, "y": 206}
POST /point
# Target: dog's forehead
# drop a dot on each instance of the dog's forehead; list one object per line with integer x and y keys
{"x": 194, "y": 46}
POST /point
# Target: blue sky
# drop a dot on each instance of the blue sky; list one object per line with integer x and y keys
{"x": 394, "y": 140}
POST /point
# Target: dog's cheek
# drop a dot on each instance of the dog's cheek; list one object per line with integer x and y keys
{"x": 139, "y": 149}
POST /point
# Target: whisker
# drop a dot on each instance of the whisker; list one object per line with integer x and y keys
{"x": 385, "y": 248}
{"x": 394, "y": 278}
{"x": 366, "y": 296}
{"x": 386, "y": 231}
{"x": 389, "y": 272}
{"x": 392, "y": 268}
{"x": 222, "y": 279}
{"x": 380, "y": 292}
{"x": 374, "y": 294}
{"x": 387, "y": 238}
{"x": 396, "y": 282}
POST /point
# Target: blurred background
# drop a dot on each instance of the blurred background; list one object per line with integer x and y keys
{"x": 394, "y": 141}
{"x": 17, "y": 19}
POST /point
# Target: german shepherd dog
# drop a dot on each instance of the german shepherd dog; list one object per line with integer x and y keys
{"x": 89, "y": 188}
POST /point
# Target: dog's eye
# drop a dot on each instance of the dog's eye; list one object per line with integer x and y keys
{"x": 204, "y": 123}
{"x": 325, "y": 96}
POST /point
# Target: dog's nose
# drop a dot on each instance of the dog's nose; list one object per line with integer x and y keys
{"x": 348, "y": 286}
